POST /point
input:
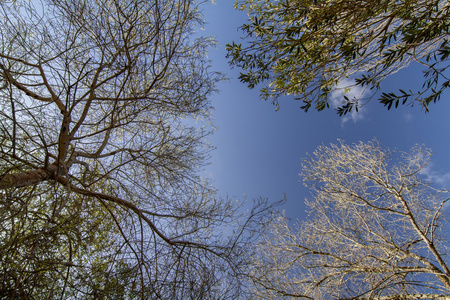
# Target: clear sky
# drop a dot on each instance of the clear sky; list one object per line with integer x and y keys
{"x": 259, "y": 150}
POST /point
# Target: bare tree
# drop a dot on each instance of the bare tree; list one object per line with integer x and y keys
{"x": 375, "y": 230}
{"x": 100, "y": 154}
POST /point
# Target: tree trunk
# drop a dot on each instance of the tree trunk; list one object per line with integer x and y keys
{"x": 27, "y": 178}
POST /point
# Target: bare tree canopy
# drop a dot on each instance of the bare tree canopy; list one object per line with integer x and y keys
{"x": 100, "y": 153}
{"x": 375, "y": 230}
{"x": 309, "y": 48}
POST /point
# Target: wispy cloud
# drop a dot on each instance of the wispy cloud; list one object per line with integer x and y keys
{"x": 347, "y": 87}
{"x": 408, "y": 117}
{"x": 435, "y": 177}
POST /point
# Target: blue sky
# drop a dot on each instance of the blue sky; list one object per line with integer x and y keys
{"x": 259, "y": 150}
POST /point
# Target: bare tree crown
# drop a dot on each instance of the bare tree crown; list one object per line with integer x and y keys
{"x": 375, "y": 230}
{"x": 100, "y": 150}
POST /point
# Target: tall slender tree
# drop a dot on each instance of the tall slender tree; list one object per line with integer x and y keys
{"x": 100, "y": 154}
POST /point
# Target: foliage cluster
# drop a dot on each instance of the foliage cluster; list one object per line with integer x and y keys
{"x": 306, "y": 48}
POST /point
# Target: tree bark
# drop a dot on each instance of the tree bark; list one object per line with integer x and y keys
{"x": 27, "y": 178}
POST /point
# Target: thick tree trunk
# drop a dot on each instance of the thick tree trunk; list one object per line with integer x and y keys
{"x": 27, "y": 178}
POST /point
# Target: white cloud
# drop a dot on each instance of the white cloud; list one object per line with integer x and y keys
{"x": 347, "y": 87}
{"x": 408, "y": 117}
{"x": 434, "y": 177}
